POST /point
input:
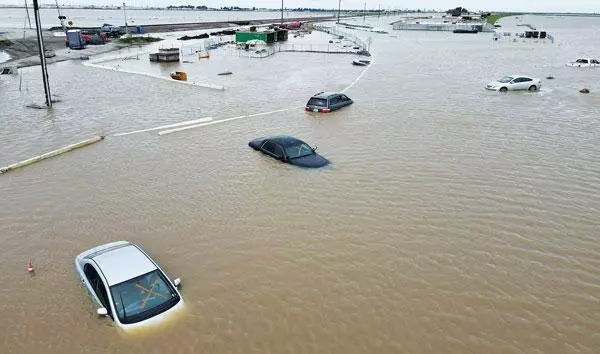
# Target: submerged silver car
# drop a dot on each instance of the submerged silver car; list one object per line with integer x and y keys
{"x": 128, "y": 285}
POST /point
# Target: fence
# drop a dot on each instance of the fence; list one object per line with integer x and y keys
{"x": 349, "y": 36}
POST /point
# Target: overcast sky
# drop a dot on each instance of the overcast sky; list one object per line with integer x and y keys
{"x": 503, "y": 5}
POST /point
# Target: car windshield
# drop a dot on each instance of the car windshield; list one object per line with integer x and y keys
{"x": 143, "y": 297}
{"x": 320, "y": 102}
{"x": 298, "y": 150}
{"x": 506, "y": 79}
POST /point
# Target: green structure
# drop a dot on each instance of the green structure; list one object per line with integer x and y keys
{"x": 266, "y": 36}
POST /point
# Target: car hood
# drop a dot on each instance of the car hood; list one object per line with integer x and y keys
{"x": 496, "y": 83}
{"x": 312, "y": 161}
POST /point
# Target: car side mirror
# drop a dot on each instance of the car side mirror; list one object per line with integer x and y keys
{"x": 176, "y": 282}
{"x": 102, "y": 311}
{"x": 315, "y": 148}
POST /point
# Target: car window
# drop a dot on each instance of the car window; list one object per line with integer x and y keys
{"x": 344, "y": 98}
{"x": 523, "y": 79}
{"x": 143, "y": 297}
{"x": 594, "y": 61}
{"x": 97, "y": 285}
{"x": 582, "y": 61}
{"x": 506, "y": 79}
{"x": 319, "y": 102}
{"x": 298, "y": 150}
{"x": 269, "y": 146}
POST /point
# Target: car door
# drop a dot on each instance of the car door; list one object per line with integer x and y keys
{"x": 515, "y": 84}
{"x": 97, "y": 286}
{"x": 272, "y": 149}
{"x": 334, "y": 102}
{"x": 525, "y": 83}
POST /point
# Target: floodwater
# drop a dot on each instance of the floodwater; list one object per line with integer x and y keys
{"x": 452, "y": 220}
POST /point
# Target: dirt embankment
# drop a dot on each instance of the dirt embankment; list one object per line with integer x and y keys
{"x": 19, "y": 48}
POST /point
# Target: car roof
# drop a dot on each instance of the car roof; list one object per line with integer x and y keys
{"x": 325, "y": 94}
{"x": 123, "y": 263}
{"x": 284, "y": 140}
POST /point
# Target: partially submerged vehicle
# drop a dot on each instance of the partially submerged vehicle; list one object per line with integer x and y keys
{"x": 585, "y": 63}
{"x": 9, "y": 70}
{"x": 325, "y": 102}
{"x": 359, "y": 62}
{"x": 514, "y": 83}
{"x": 289, "y": 150}
{"x": 127, "y": 285}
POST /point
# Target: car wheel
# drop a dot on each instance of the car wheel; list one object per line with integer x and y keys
{"x": 532, "y": 88}
{"x": 503, "y": 89}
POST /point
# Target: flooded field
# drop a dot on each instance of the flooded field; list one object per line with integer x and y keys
{"x": 452, "y": 219}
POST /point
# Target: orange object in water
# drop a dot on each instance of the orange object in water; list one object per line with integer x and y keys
{"x": 179, "y": 75}
{"x": 29, "y": 266}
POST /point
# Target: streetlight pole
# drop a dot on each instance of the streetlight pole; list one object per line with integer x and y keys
{"x": 282, "y": 12}
{"x": 339, "y": 10}
{"x": 364, "y": 10}
{"x": 125, "y": 14}
{"x": 38, "y": 27}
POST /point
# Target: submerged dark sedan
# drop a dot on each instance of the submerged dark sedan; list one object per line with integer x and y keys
{"x": 288, "y": 149}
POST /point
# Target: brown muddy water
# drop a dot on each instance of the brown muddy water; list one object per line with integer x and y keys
{"x": 452, "y": 220}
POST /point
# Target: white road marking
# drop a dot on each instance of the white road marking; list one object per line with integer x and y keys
{"x": 359, "y": 76}
{"x": 189, "y": 122}
{"x": 170, "y": 131}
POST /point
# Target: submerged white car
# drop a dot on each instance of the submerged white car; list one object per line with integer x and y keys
{"x": 515, "y": 82}
{"x": 128, "y": 286}
{"x": 585, "y": 63}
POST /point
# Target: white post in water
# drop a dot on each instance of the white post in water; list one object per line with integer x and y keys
{"x": 38, "y": 27}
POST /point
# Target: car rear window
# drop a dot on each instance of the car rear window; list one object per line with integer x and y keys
{"x": 320, "y": 102}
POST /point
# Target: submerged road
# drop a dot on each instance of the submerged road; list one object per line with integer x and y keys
{"x": 172, "y": 27}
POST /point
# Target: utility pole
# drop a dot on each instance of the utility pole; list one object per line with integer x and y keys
{"x": 282, "y": 12}
{"x": 379, "y": 12}
{"x": 339, "y": 10}
{"x": 125, "y": 14}
{"x": 364, "y": 11}
{"x": 38, "y": 27}
{"x": 61, "y": 18}
{"x": 27, "y": 9}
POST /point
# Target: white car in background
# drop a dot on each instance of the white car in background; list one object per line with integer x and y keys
{"x": 585, "y": 63}
{"x": 514, "y": 83}
{"x": 128, "y": 286}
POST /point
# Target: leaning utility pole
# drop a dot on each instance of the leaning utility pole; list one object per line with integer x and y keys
{"x": 27, "y": 10}
{"x": 38, "y": 27}
{"x": 339, "y": 9}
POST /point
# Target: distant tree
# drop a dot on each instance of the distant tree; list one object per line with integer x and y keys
{"x": 459, "y": 11}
